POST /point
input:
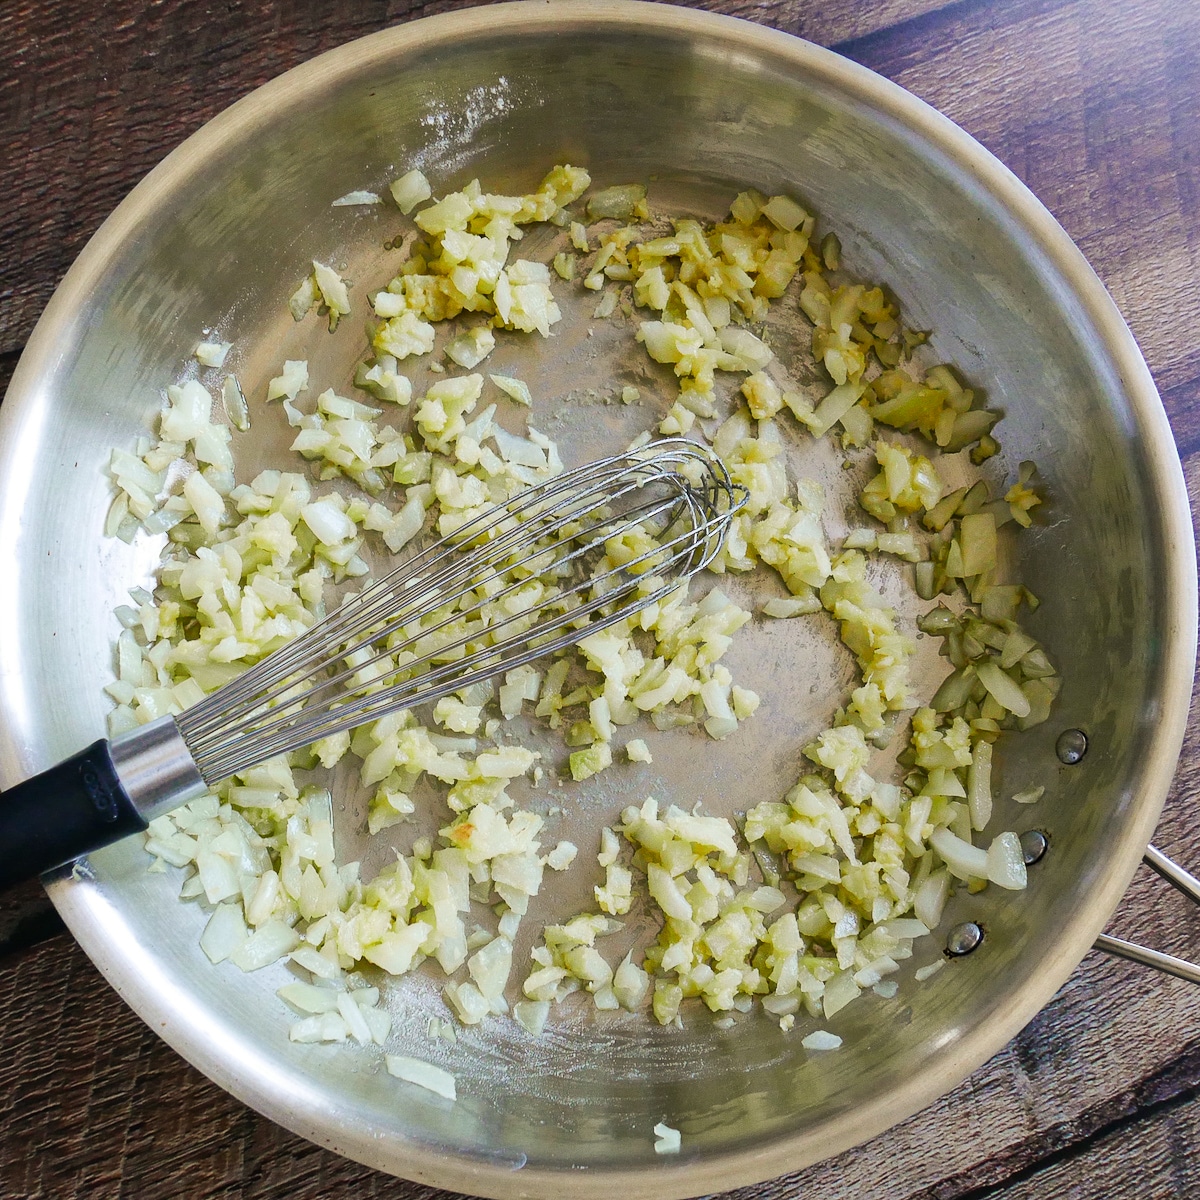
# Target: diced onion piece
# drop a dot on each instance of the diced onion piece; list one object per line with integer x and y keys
{"x": 313, "y": 961}
{"x": 351, "y": 199}
{"x": 353, "y": 1016}
{"x": 637, "y": 750}
{"x": 590, "y": 761}
{"x": 531, "y": 1015}
{"x": 234, "y": 400}
{"x": 290, "y": 382}
{"x": 309, "y": 999}
{"x": 423, "y": 1074}
{"x": 410, "y": 190}
{"x": 332, "y": 288}
{"x": 667, "y": 1140}
{"x": 752, "y": 352}
{"x": 963, "y": 859}
{"x": 923, "y": 973}
{"x": 325, "y": 1027}
{"x": 821, "y": 1039}
{"x": 207, "y": 503}
{"x": 212, "y": 354}
{"x": 270, "y": 941}
{"x": 905, "y": 928}
{"x": 977, "y": 542}
{"x": 784, "y": 212}
{"x": 468, "y": 1002}
{"x": 839, "y": 991}
{"x": 303, "y": 298}
{"x": 630, "y": 984}
{"x": 225, "y": 932}
{"x": 1003, "y": 688}
{"x": 835, "y": 406}
{"x": 515, "y": 389}
{"x": 469, "y": 349}
{"x": 328, "y": 522}
{"x": 979, "y": 785}
{"x": 931, "y": 897}
{"x": 562, "y": 856}
{"x": 792, "y": 606}
{"x": 1006, "y": 862}
{"x": 618, "y": 203}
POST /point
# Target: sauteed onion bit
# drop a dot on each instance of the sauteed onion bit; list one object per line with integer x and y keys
{"x": 819, "y": 894}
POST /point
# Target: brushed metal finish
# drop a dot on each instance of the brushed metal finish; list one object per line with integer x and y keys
{"x": 156, "y": 768}
{"x": 1173, "y": 873}
{"x": 218, "y": 236}
{"x": 1183, "y": 881}
{"x": 1167, "y": 963}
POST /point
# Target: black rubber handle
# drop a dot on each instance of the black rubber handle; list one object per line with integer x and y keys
{"x": 69, "y": 810}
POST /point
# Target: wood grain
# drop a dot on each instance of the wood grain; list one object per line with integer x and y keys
{"x": 1164, "y": 1169}
{"x": 828, "y": 24}
{"x": 1094, "y": 105}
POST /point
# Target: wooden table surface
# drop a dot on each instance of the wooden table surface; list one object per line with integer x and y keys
{"x": 1095, "y": 104}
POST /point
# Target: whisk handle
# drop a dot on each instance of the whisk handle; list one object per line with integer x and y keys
{"x": 71, "y": 809}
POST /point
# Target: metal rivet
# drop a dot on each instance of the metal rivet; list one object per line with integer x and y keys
{"x": 1071, "y": 746}
{"x": 964, "y": 938}
{"x": 1034, "y": 844}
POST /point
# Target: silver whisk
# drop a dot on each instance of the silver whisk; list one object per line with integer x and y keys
{"x": 514, "y": 582}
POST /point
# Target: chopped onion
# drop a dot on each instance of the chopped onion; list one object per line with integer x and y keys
{"x": 224, "y": 933}
{"x": 423, "y": 1074}
{"x": 212, "y": 354}
{"x": 252, "y": 570}
{"x": 667, "y": 1140}
{"x": 963, "y": 859}
{"x": 410, "y": 190}
{"x": 1006, "y": 862}
{"x": 821, "y": 1039}
{"x": 356, "y": 198}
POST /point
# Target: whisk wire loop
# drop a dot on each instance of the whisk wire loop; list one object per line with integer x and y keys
{"x": 452, "y": 615}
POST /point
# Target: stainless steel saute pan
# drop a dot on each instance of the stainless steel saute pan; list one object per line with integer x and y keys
{"x": 700, "y": 106}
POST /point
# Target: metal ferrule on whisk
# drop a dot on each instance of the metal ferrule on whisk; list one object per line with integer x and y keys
{"x": 156, "y": 767}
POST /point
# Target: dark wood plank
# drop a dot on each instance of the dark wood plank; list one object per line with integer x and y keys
{"x": 828, "y": 24}
{"x": 8, "y": 364}
{"x": 1165, "y": 1168}
{"x": 26, "y": 915}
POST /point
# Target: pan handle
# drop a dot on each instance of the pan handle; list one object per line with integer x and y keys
{"x": 1189, "y": 885}
{"x": 106, "y": 792}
